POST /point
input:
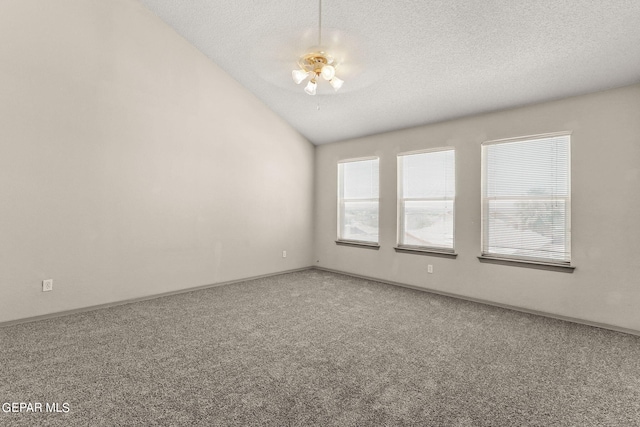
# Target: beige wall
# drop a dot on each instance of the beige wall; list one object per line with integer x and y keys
{"x": 605, "y": 287}
{"x": 130, "y": 165}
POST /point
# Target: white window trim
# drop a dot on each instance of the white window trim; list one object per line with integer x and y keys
{"x": 528, "y": 137}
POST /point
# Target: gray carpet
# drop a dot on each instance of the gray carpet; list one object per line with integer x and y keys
{"x": 317, "y": 348}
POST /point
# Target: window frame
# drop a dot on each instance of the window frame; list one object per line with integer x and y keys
{"x": 341, "y": 203}
{"x": 401, "y": 247}
{"x": 484, "y": 221}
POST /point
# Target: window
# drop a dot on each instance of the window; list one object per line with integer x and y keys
{"x": 426, "y": 197}
{"x": 358, "y": 188}
{"x": 526, "y": 199}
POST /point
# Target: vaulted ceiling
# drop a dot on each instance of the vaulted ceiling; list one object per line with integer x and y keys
{"x": 413, "y": 62}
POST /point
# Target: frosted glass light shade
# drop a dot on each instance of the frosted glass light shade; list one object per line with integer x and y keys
{"x": 311, "y": 87}
{"x": 299, "y": 75}
{"x": 336, "y": 83}
{"x": 328, "y": 72}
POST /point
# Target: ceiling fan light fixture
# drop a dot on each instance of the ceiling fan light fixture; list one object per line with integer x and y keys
{"x": 316, "y": 65}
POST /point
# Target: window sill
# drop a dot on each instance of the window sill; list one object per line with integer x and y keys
{"x": 540, "y": 265}
{"x": 357, "y": 244}
{"x": 425, "y": 251}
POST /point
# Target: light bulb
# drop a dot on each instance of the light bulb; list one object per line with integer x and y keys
{"x": 336, "y": 83}
{"x": 299, "y": 75}
{"x": 328, "y": 71}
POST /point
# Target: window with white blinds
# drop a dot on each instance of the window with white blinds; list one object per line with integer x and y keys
{"x": 358, "y": 200}
{"x": 526, "y": 199}
{"x": 426, "y": 197}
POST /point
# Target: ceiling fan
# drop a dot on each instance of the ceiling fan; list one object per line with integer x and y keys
{"x": 317, "y": 64}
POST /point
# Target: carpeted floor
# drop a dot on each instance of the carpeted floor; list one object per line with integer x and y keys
{"x": 317, "y": 348}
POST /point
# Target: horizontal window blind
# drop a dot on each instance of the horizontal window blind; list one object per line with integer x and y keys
{"x": 358, "y": 200}
{"x": 426, "y": 196}
{"x": 526, "y": 206}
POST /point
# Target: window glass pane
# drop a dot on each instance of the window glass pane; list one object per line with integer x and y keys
{"x": 428, "y": 223}
{"x": 358, "y": 187}
{"x": 528, "y": 168}
{"x": 528, "y": 229}
{"x": 426, "y": 199}
{"x": 428, "y": 175}
{"x": 360, "y": 221}
{"x": 360, "y": 179}
{"x": 526, "y": 199}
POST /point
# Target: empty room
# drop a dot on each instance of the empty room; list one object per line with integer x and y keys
{"x": 319, "y": 213}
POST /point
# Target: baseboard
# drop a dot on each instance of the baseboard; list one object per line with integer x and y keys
{"x": 138, "y": 299}
{"x": 491, "y": 303}
{"x": 373, "y": 279}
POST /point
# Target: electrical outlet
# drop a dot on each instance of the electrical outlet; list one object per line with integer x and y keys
{"x": 429, "y": 268}
{"x": 47, "y": 285}
{"x": 284, "y": 254}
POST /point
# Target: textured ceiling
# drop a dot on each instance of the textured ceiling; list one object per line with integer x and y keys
{"x": 412, "y": 62}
